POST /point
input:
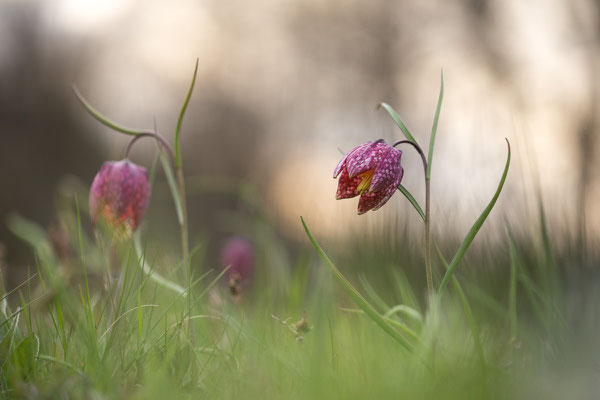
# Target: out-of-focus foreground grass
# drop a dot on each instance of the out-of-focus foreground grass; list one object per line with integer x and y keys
{"x": 90, "y": 322}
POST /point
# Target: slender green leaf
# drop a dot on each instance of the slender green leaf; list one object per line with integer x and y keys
{"x": 155, "y": 276}
{"x": 60, "y": 362}
{"x": 34, "y": 235}
{"x": 180, "y": 120}
{"x": 105, "y": 120}
{"x": 355, "y": 295}
{"x": 474, "y": 229}
{"x": 434, "y": 127}
{"x": 406, "y": 311}
{"x": 372, "y": 293}
{"x": 398, "y": 121}
{"x": 412, "y": 200}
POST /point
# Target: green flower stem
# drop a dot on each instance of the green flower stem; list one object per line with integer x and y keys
{"x": 428, "y": 240}
{"x": 157, "y": 136}
{"x": 174, "y": 155}
{"x": 136, "y": 133}
{"x": 428, "y": 272}
{"x": 184, "y": 225}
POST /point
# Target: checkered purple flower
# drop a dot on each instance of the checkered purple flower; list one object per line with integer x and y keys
{"x": 371, "y": 170}
{"x": 120, "y": 194}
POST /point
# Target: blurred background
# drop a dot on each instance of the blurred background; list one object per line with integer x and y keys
{"x": 286, "y": 87}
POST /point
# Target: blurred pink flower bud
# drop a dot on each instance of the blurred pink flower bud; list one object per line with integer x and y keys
{"x": 120, "y": 194}
{"x": 371, "y": 170}
{"x": 239, "y": 254}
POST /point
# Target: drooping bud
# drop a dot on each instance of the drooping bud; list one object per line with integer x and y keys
{"x": 120, "y": 194}
{"x": 238, "y": 255}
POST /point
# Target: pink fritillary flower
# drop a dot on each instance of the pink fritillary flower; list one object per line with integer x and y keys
{"x": 238, "y": 253}
{"x": 120, "y": 194}
{"x": 371, "y": 170}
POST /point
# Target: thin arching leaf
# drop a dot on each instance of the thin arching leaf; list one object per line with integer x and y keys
{"x": 434, "y": 127}
{"x": 180, "y": 120}
{"x": 474, "y": 229}
{"x": 412, "y": 200}
{"x": 398, "y": 121}
{"x": 105, "y": 120}
{"x": 358, "y": 299}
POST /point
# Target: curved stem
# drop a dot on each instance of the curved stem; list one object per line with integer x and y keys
{"x": 428, "y": 272}
{"x": 419, "y": 150}
{"x": 159, "y": 138}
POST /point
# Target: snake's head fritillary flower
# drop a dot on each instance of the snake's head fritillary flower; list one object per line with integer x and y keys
{"x": 371, "y": 170}
{"x": 238, "y": 255}
{"x": 120, "y": 194}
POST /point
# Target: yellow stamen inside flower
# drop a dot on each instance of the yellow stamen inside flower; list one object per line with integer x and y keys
{"x": 365, "y": 183}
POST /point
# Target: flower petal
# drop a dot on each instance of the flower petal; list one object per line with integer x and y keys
{"x": 387, "y": 170}
{"x": 368, "y": 200}
{"x": 366, "y": 157}
{"x": 97, "y": 193}
{"x": 347, "y": 186}
{"x": 390, "y": 190}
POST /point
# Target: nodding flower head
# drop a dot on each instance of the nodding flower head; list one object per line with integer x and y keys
{"x": 238, "y": 254}
{"x": 371, "y": 170}
{"x": 120, "y": 194}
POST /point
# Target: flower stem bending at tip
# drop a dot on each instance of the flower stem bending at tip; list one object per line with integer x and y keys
{"x": 175, "y": 155}
{"x": 427, "y": 219}
{"x": 158, "y": 137}
{"x": 136, "y": 133}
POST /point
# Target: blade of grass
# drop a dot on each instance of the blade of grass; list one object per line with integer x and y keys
{"x": 60, "y": 362}
{"x": 355, "y": 295}
{"x": 412, "y": 200}
{"x": 512, "y": 291}
{"x": 121, "y": 316}
{"x": 372, "y": 293}
{"x": 474, "y": 229}
{"x": 406, "y": 311}
{"x": 398, "y": 121}
{"x": 467, "y": 308}
{"x": 434, "y": 127}
{"x": 17, "y": 287}
{"x": 146, "y": 269}
{"x": 407, "y": 294}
